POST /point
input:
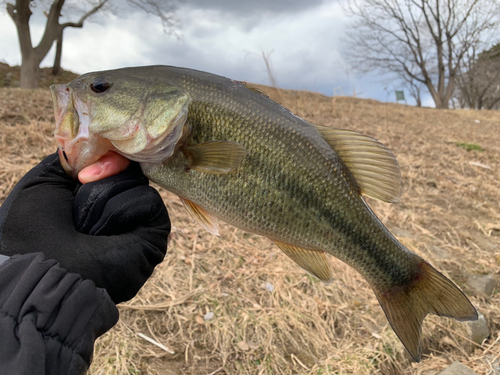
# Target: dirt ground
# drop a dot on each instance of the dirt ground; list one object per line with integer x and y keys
{"x": 235, "y": 304}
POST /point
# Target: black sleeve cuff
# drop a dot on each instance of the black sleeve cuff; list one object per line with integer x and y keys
{"x": 49, "y": 318}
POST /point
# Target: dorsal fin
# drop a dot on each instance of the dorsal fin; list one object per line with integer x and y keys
{"x": 205, "y": 219}
{"x": 253, "y": 88}
{"x": 373, "y": 165}
{"x": 314, "y": 262}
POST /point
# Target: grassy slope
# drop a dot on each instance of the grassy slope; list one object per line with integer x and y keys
{"x": 449, "y": 213}
{"x": 46, "y": 77}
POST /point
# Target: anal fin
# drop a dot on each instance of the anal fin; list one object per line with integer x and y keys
{"x": 201, "y": 216}
{"x": 314, "y": 262}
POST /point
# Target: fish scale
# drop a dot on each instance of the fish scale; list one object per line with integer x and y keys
{"x": 231, "y": 153}
{"x": 294, "y": 194}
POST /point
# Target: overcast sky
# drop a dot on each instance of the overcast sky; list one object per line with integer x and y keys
{"x": 302, "y": 37}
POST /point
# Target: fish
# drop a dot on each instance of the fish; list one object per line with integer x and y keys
{"x": 231, "y": 153}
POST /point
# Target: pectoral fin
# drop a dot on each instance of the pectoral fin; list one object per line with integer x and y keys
{"x": 215, "y": 156}
{"x": 314, "y": 262}
{"x": 205, "y": 219}
{"x": 373, "y": 165}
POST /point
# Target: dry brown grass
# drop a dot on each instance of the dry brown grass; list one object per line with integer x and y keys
{"x": 45, "y": 76}
{"x": 449, "y": 213}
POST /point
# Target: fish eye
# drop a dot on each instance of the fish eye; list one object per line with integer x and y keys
{"x": 99, "y": 85}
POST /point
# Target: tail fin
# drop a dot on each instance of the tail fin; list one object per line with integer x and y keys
{"x": 430, "y": 292}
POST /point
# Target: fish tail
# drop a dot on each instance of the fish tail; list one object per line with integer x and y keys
{"x": 428, "y": 292}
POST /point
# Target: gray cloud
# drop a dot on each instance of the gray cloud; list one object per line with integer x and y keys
{"x": 222, "y": 37}
{"x": 246, "y": 8}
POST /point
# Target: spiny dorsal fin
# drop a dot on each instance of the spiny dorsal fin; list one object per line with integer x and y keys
{"x": 252, "y": 88}
{"x": 373, "y": 165}
{"x": 314, "y": 262}
{"x": 215, "y": 156}
{"x": 201, "y": 216}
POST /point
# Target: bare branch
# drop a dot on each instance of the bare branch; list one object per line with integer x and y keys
{"x": 164, "y": 10}
{"x": 422, "y": 40}
{"x": 20, "y": 12}
{"x": 85, "y": 16}
{"x": 478, "y": 85}
{"x": 11, "y": 9}
{"x": 51, "y": 30}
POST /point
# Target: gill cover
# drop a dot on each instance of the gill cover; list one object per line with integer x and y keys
{"x": 151, "y": 133}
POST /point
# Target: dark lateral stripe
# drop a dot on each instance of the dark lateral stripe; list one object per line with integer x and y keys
{"x": 359, "y": 240}
{"x": 308, "y": 199}
{"x": 261, "y": 162}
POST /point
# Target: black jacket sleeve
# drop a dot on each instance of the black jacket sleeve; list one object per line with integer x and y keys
{"x": 3, "y": 258}
{"x": 49, "y": 318}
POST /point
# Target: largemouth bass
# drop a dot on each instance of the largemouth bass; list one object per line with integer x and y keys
{"x": 231, "y": 153}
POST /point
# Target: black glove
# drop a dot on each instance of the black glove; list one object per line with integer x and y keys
{"x": 113, "y": 231}
{"x": 49, "y": 318}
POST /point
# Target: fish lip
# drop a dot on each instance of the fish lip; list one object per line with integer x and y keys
{"x": 60, "y": 100}
{"x": 78, "y": 153}
{"x": 77, "y": 147}
{"x": 63, "y": 159}
{"x": 67, "y": 123}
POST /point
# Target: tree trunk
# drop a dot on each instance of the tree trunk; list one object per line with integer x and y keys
{"x": 20, "y": 14}
{"x": 29, "y": 71}
{"x": 445, "y": 103}
{"x": 56, "y": 69}
{"x": 434, "y": 94}
{"x": 418, "y": 100}
{"x": 441, "y": 101}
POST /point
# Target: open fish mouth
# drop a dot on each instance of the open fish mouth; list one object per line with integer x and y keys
{"x": 77, "y": 148}
{"x": 148, "y": 134}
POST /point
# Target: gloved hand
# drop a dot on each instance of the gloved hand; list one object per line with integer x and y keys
{"x": 113, "y": 231}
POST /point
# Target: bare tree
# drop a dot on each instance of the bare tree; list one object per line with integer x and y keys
{"x": 414, "y": 87}
{"x": 60, "y": 29}
{"x": 422, "y": 40}
{"x": 478, "y": 84}
{"x": 21, "y": 11}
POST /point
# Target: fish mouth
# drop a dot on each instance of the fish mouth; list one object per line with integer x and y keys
{"x": 77, "y": 148}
